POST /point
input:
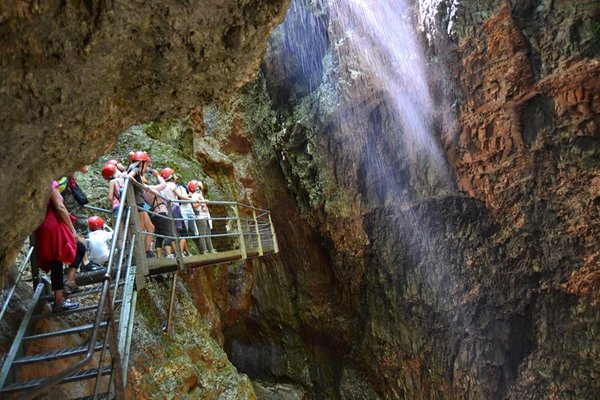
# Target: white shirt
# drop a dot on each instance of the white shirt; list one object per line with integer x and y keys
{"x": 169, "y": 192}
{"x": 97, "y": 244}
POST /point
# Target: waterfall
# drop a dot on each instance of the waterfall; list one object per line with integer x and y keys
{"x": 383, "y": 110}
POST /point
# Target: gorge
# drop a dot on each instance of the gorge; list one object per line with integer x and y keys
{"x": 432, "y": 168}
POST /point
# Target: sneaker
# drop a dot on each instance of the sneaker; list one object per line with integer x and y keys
{"x": 150, "y": 254}
{"x": 205, "y": 252}
{"x": 71, "y": 288}
{"x": 90, "y": 267}
{"x": 65, "y": 306}
{"x": 171, "y": 256}
{"x": 213, "y": 251}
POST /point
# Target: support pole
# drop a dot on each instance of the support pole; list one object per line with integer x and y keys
{"x": 275, "y": 245}
{"x": 259, "y": 241}
{"x": 169, "y": 329}
{"x": 239, "y": 225}
{"x": 140, "y": 246}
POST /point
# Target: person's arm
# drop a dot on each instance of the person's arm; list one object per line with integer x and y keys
{"x": 180, "y": 195}
{"x": 111, "y": 191}
{"x": 161, "y": 183}
{"x": 61, "y": 210}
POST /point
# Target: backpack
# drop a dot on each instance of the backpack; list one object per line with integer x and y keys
{"x": 63, "y": 184}
{"x": 68, "y": 183}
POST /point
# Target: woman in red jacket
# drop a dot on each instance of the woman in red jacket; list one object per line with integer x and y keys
{"x": 56, "y": 243}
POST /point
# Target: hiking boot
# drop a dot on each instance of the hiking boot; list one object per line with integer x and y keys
{"x": 90, "y": 267}
{"x": 66, "y": 305}
{"x": 70, "y": 288}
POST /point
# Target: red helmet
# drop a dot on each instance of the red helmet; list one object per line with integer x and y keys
{"x": 95, "y": 223}
{"x": 140, "y": 156}
{"x": 167, "y": 173}
{"x": 112, "y": 162}
{"x": 108, "y": 171}
{"x": 193, "y": 185}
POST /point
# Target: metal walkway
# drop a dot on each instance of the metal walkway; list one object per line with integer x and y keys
{"x": 88, "y": 348}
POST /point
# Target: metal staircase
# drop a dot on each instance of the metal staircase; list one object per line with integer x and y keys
{"x": 88, "y": 348}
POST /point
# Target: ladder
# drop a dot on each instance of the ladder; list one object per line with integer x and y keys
{"x": 86, "y": 348}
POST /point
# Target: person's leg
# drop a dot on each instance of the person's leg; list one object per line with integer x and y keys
{"x": 167, "y": 229}
{"x": 156, "y": 221}
{"x": 56, "y": 277}
{"x": 201, "y": 243}
{"x": 70, "y": 285}
{"x": 147, "y": 226}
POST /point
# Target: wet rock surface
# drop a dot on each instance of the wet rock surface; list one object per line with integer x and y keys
{"x": 482, "y": 283}
{"x": 485, "y": 289}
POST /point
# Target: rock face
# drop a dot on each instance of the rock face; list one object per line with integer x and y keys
{"x": 478, "y": 283}
{"x": 75, "y": 75}
{"x": 399, "y": 276}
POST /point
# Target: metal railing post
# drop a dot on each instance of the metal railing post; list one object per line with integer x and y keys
{"x": 259, "y": 240}
{"x": 239, "y": 225}
{"x": 140, "y": 248}
{"x": 275, "y": 245}
{"x": 169, "y": 328}
{"x": 175, "y": 246}
{"x": 35, "y": 270}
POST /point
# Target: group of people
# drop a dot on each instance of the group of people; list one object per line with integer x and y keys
{"x": 61, "y": 238}
{"x": 187, "y": 205}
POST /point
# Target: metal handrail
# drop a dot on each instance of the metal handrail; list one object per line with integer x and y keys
{"x": 263, "y": 214}
{"x": 12, "y": 290}
{"x": 54, "y": 380}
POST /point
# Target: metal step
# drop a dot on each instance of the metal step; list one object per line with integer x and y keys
{"x": 78, "y": 376}
{"x": 55, "y": 355}
{"x": 66, "y": 312}
{"x": 85, "y": 292}
{"x": 68, "y": 331}
{"x": 77, "y": 310}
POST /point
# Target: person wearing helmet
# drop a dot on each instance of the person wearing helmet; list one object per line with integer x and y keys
{"x": 203, "y": 220}
{"x": 139, "y": 165}
{"x": 115, "y": 187}
{"x": 56, "y": 243}
{"x": 67, "y": 186}
{"x": 175, "y": 193}
{"x": 117, "y": 164}
{"x": 97, "y": 243}
{"x": 159, "y": 216}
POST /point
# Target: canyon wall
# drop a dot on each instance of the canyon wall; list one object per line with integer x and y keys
{"x": 399, "y": 276}
{"x": 479, "y": 281}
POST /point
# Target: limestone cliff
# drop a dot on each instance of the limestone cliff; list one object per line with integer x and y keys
{"x": 480, "y": 282}
{"x": 472, "y": 273}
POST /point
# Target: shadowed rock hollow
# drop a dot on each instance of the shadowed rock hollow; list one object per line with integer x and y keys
{"x": 76, "y": 74}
